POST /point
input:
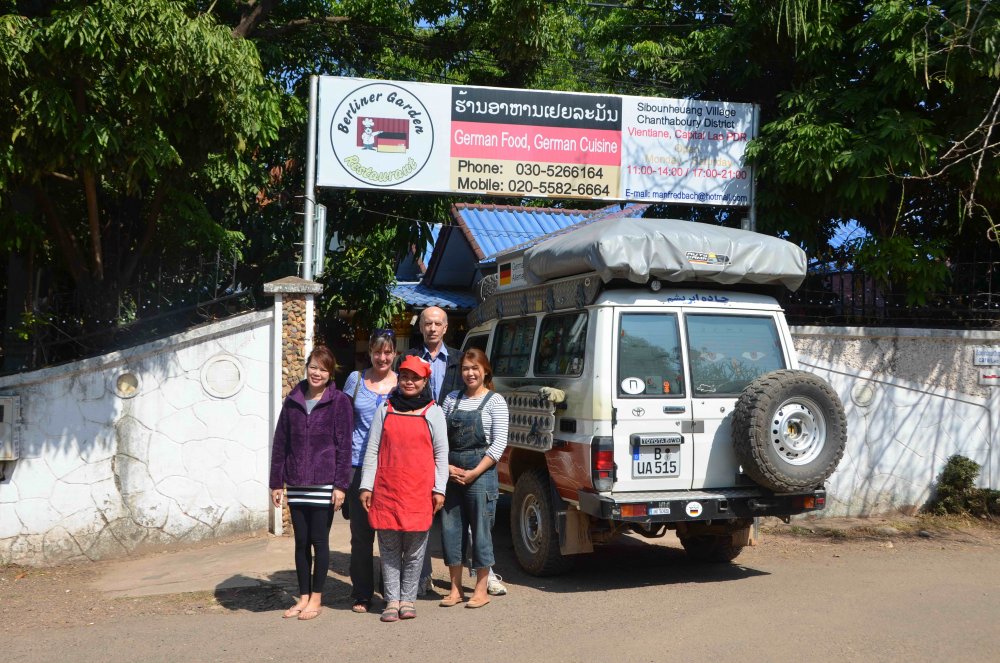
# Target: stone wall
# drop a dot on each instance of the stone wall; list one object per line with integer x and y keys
{"x": 165, "y": 442}
{"x": 293, "y": 339}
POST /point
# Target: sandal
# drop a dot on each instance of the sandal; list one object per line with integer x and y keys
{"x": 449, "y": 601}
{"x": 390, "y": 615}
{"x": 407, "y": 612}
{"x": 291, "y": 613}
{"x": 361, "y": 606}
{"x": 309, "y": 614}
{"x": 477, "y": 603}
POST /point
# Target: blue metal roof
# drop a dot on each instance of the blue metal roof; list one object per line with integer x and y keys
{"x": 629, "y": 211}
{"x": 493, "y": 228}
{"x": 421, "y": 296}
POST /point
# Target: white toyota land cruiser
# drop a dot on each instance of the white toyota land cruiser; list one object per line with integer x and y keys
{"x": 639, "y": 405}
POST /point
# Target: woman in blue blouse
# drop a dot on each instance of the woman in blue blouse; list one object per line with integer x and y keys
{"x": 368, "y": 389}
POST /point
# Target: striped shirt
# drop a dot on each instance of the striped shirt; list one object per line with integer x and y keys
{"x": 311, "y": 495}
{"x": 496, "y": 419}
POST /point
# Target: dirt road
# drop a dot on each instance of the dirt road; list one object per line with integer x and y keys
{"x": 792, "y": 598}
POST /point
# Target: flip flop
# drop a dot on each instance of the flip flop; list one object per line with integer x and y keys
{"x": 390, "y": 615}
{"x": 407, "y": 612}
{"x": 291, "y": 613}
{"x": 309, "y": 614}
{"x": 361, "y": 607}
{"x": 449, "y": 601}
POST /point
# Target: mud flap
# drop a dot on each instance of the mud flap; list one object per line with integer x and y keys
{"x": 745, "y": 536}
{"x": 574, "y": 531}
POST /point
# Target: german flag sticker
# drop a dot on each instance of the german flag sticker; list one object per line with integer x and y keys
{"x": 505, "y": 274}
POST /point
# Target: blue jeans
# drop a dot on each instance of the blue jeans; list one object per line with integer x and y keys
{"x": 470, "y": 507}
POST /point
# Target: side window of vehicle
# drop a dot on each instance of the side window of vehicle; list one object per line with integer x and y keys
{"x": 728, "y": 351}
{"x": 479, "y": 341}
{"x": 512, "y": 347}
{"x": 649, "y": 355}
{"x": 561, "y": 343}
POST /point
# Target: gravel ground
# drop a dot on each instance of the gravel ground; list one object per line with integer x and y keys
{"x": 64, "y": 596}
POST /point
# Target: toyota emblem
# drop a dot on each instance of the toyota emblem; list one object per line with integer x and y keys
{"x": 638, "y": 412}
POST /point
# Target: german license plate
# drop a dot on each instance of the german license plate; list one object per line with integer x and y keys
{"x": 650, "y": 462}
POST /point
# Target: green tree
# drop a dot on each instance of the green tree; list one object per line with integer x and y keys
{"x": 879, "y": 112}
{"x": 124, "y": 118}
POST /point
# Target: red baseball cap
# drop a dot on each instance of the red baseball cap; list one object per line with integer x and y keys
{"x": 419, "y": 366}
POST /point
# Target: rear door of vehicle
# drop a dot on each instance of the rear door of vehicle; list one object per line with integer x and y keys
{"x": 726, "y": 351}
{"x": 653, "y": 449}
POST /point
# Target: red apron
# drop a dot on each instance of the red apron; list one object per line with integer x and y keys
{"x": 404, "y": 480}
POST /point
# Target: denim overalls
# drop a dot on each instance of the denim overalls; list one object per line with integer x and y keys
{"x": 469, "y": 506}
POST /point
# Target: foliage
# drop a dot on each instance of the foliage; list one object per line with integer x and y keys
{"x": 879, "y": 112}
{"x": 957, "y": 492}
{"x": 898, "y": 262}
{"x": 125, "y": 119}
{"x": 159, "y": 127}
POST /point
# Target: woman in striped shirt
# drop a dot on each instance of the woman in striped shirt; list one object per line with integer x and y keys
{"x": 311, "y": 458}
{"x": 477, "y": 419}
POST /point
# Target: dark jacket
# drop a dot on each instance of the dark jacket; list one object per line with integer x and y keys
{"x": 313, "y": 449}
{"x": 452, "y": 374}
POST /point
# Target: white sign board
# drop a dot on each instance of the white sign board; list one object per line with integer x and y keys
{"x": 989, "y": 376}
{"x": 531, "y": 143}
{"x": 986, "y": 356}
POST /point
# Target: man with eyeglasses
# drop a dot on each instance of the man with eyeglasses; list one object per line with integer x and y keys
{"x": 445, "y": 361}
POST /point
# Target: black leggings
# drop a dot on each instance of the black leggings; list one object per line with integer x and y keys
{"x": 312, "y": 532}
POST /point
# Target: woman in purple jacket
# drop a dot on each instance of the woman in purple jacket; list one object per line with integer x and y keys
{"x": 311, "y": 457}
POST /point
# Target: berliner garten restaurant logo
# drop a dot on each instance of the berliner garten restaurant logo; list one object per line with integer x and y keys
{"x": 382, "y": 134}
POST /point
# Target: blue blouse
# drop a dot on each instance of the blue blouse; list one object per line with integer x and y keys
{"x": 365, "y": 405}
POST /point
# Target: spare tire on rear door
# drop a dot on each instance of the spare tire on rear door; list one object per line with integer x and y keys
{"x": 789, "y": 430}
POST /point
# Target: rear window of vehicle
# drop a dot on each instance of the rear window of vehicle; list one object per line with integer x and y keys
{"x": 512, "y": 347}
{"x": 649, "y": 355}
{"x": 727, "y": 352}
{"x": 478, "y": 341}
{"x": 561, "y": 344}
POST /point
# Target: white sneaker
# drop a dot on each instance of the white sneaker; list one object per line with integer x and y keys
{"x": 494, "y": 587}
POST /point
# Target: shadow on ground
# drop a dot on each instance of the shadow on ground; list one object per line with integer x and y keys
{"x": 627, "y": 563}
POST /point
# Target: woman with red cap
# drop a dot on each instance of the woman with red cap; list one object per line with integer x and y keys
{"x": 403, "y": 483}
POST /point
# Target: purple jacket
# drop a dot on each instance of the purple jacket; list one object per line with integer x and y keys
{"x": 313, "y": 449}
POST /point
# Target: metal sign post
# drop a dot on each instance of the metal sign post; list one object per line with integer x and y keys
{"x": 309, "y": 214}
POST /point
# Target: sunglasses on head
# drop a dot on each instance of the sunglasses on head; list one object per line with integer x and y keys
{"x": 380, "y": 333}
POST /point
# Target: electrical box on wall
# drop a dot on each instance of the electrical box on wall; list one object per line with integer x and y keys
{"x": 10, "y": 442}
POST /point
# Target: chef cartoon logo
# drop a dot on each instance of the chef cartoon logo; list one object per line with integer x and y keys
{"x": 382, "y": 134}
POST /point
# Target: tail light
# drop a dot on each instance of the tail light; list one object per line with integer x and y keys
{"x": 602, "y": 463}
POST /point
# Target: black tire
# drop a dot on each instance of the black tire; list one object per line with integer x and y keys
{"x": 789, "y": 430}
{"x": 533, "y": 526}
{"x": 714, "y": 548}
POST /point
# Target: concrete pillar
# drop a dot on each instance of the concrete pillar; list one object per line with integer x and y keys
{"x": 291, "y": 343}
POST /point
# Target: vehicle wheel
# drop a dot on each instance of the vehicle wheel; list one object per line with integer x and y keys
{"x": 533, "y": 526}
{"x": 716, "y": 548}
{"x": 789, "y": 430}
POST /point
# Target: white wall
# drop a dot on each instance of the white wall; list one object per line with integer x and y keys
{"x": 100, "y": 474}
{"x": 912, "y": 400}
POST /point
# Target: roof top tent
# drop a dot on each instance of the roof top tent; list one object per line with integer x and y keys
{"x": 635, "y": 251}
